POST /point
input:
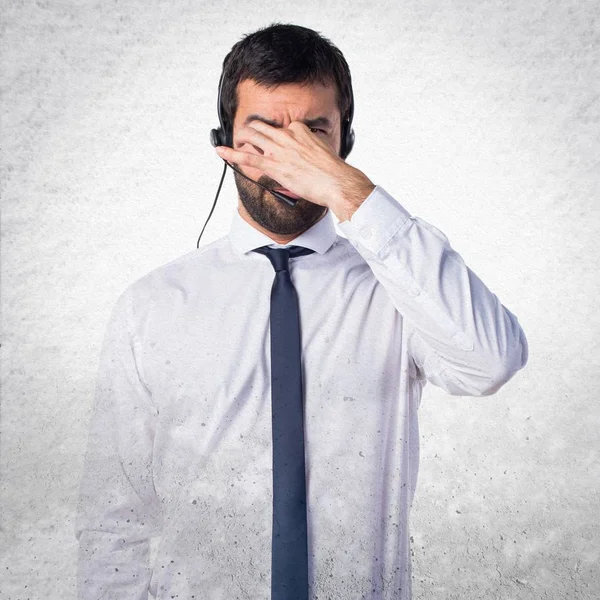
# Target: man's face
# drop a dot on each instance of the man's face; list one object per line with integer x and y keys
{"x": 282, "y": 105}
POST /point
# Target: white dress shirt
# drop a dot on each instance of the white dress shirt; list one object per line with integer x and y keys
{"x": 180, "y": 441}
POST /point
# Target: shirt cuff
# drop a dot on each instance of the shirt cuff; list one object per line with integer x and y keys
{"x": 375, "y": 221}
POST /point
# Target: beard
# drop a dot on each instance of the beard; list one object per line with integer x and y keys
{"x": 270, "y": 212}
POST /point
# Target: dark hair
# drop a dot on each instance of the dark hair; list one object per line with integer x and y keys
{"x": 285, "y": 53}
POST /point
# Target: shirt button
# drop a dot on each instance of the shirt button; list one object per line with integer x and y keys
{"x": 366, "y": 232}
{"x": 414, "y": 291}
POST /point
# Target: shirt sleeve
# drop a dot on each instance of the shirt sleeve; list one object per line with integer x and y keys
{"x": 461, "y": 338}
{"x": 118, "y": 511}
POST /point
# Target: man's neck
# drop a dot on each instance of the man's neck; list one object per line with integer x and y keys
{"x": 276, "y": 237}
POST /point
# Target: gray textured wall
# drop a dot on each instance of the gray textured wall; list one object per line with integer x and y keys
{"x": 481, "y": 117}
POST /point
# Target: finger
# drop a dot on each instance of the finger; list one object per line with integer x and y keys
{"x": 252, "y": 137}
{"x": 299, "y": 125}
{"x": 280, "y": 136}
{"x": 241, "y": 158}
{"x": 274, "y": 134}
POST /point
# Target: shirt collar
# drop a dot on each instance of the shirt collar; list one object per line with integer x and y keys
{"x": 245, "y": 238}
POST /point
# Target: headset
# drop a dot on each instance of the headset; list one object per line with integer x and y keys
{"x": 223, "y": 136}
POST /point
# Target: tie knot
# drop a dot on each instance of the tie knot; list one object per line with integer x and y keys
{"x": 280, "y": 257}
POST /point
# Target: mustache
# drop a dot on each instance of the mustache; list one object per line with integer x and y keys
{"x": 269, "y": 183}
{"x": 266, "y": 181}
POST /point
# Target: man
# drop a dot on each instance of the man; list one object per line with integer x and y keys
{"x": 182, "y": 444}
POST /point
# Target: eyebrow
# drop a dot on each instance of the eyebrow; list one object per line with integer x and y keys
{"x": 316, "y": 122}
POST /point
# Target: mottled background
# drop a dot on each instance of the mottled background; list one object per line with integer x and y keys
{"x": 480, "y": 117}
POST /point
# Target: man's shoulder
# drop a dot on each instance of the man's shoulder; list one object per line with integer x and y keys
{"x": 184, "y": 272}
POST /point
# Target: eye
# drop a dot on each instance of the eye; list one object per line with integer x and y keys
{"x": 315, "y": 130}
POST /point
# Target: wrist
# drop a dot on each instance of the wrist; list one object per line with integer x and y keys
{"x": 353, "y": 191}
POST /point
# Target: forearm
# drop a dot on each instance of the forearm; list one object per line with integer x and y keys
{"x": 463, "y": 338}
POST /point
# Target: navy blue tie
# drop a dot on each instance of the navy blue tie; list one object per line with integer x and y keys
{"x": 289, "y": 550}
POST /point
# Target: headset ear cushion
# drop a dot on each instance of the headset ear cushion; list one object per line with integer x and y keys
{"x": 349, "y": 141}
{"x": 347, "y": 144}
{"x": 215, "y": 137}
{"x": 218, "y": 137}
